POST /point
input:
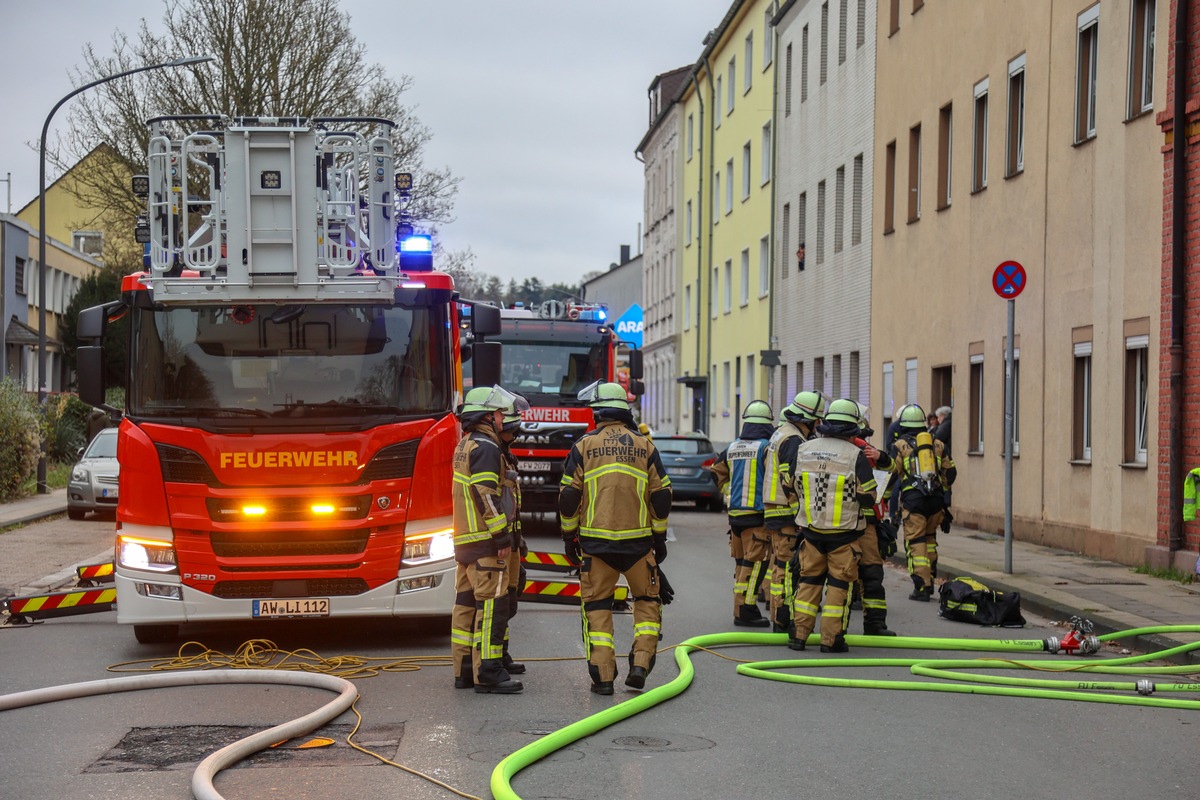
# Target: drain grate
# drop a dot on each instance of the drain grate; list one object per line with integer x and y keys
{"x": 181, "y": 747}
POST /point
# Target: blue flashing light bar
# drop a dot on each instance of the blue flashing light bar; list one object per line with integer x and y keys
{"x": 416, "y": 253}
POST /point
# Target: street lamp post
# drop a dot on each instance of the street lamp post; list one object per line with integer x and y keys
{"x": 42, "y": 488}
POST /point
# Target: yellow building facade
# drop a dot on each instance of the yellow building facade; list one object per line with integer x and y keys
{"x": 725, "y": 240}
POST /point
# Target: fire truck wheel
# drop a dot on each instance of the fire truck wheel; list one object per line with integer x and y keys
{"x": 155, "y": 634}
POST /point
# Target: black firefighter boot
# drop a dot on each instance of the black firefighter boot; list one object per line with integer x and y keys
{"x": 465, "y": 679}
{"x": 494, "y": 679}
{"x": 749, "y": 616}
{"x": 920, "y": 591}
{"x": 512, "y": 667}
{"x": 875, "y": 623}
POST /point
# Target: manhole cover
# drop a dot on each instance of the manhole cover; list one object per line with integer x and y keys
{"x": 642, "y": 741}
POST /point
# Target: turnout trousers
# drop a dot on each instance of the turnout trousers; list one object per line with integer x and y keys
{"x": 480, "y": 607}
{"x": 750, "y": 548}
{"x": 920, "y": 547}
{"x": 870, "y": 574}
{"x": 597, "y": 582}
{"x": 831, "y": 569}
{"x": 783, "y": 585}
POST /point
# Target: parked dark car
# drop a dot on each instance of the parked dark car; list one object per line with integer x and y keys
{"x": 93, "y": 483}
{"x": 687, "y": 458}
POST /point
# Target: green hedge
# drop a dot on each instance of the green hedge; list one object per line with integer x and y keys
{"x": 20, "y": 443}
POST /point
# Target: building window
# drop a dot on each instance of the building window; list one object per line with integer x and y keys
{"x": 687, "y": 225}
{"x": 785, "y": 393}
{"x": 1016, "y": 408}
{"x": 785, "y": 240}
{"x": 19, "y": 277}
{"x": 804, "y": 64}
{"x": 728, "y": 383}
{"x": 889, "y": 188}
{"x": 801, "y": 229}
{"x": 732, "y": 85}
{"x": 766, "y": 153}
{"x": 745, "y": 277}
{"x": 821, "y": 223}
{"x": 1081, "y": 439}
{"x": 945, "y": 154}
{"x": 716, "y": 198}
{"x": 835, "y": 385}
{"x": 839, "y": 203}
{"x": 975, "y": 434}
{"x": 1141, "y": 57}
{"x": 764, "y": 266}
{"x": 88, "y": 242}
{"x": 728, "y": 285}
{"x": 819, "y": 374}
{"x": 893, "y": 16}
{"x": 748, "y": 63}
{"x": 716, "y": 278}
{"x": 687, "y": 307}
{"x": 914, "y": 173}
{"x": 856, "y": 204}
{"x": 860, "y": 25}
{"x": 799, "y": 378}
{"x": 854, "y": 367}
{"x": 729, "y": 186}
{"x": 843, "y": 24}
{"x": 1137, "y": 371}
{"x": 690, "y": 135}
{"x": 1088, "y": 46}
{"x": 889, "y": 394}
{"x": 787, "y": 81}
{"x": 979, "y": 156}
{"x": 1014, "y": 161}
{"x": 717, "y": 101}
{"x": 746, "y": 171}
{"x": 768, "y": 40}
{"x": 910, "y": 380}
{"x": 824, "y": 42}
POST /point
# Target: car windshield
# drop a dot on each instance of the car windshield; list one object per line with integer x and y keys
{"x": 684, "y": 446}
{"x": 103, "y": 446}
{"x": 324, "y": 360}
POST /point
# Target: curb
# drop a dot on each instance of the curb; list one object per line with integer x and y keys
{"x": 35, "y": 516}
{"x": 1101, "y": 623}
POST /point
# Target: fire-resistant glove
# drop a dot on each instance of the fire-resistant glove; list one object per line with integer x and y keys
{"x": 665, "y": 591}
{"x": 573, "y": 551}
{"x": 660, "y": 548}
{"x": 947, "y": 518}
{"x": 886, "y": 535}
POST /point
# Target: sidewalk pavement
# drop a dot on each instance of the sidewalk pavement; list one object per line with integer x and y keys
{"x": 1056, "y": 584}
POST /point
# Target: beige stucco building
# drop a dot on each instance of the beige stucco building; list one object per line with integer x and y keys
{"x": 1025, "y": 131}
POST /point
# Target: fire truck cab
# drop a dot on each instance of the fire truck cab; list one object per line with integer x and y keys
{"x": 294, "y": 366}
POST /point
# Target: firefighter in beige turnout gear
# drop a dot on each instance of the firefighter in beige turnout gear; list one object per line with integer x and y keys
{"x": 511, "y": 501}
{"x": 742, "y": 468}
{"x": 482, "y": 546}
{"x": 613, "y": 505}
{"x": 779, "y": 500}
{"x": 833, "y": 483}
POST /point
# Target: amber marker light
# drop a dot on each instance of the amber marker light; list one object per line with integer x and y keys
{"x": 254, "y": 511}
{"x": 322, "y": 508}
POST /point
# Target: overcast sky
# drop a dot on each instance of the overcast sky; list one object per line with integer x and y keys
{"x": 537, "y": 106}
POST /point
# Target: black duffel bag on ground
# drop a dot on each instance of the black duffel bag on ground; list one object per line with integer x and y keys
{"x": 968, "y": 600}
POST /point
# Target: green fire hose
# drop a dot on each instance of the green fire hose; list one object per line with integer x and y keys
{"x": 945, "y": 670}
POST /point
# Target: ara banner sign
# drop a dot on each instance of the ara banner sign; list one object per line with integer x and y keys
{"x": 629, "y": 326}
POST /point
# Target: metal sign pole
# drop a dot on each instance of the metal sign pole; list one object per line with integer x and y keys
{"x": 1008, "y": 439}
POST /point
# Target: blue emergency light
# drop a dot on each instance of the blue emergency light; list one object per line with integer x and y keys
{"x": 416, "y": 253}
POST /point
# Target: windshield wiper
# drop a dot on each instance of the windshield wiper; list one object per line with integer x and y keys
{"x": 230, "y": 412}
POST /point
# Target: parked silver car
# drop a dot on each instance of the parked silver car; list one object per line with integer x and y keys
{"x": 93, "y": 483}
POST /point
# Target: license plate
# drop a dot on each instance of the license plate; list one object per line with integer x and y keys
{"x": 301, "y": 607}
{"x": 534, "y": 466}
{"x": 680, "y": 472}
{"x": 108, "y": 492}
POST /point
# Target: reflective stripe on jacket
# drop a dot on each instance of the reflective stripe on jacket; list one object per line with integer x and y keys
{"x": 480, "y": 525}
{"x": 832, "y": 477}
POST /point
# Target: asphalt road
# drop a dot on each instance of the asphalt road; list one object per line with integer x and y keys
{"x": 726, "y": 736}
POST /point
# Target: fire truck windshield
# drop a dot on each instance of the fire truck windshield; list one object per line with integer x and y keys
{"x": 555, "y": 368}
{"x": 288, "y": 361}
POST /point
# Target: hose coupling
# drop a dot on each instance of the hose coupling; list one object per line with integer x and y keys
{"x": 1145, "y": 686}
{"x": 1089, "y": 646}
{"x": 1050, "y": 645}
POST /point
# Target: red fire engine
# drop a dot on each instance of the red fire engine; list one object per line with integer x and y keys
{"x": 287, "y": 434}
{"x": 548, "y": 360}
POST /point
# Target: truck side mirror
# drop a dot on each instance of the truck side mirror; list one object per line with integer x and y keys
{"x": 635, "y": 364}
{"x": 485, "y": 320}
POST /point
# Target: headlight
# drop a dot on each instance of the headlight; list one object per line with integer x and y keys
{"x": 79, "y": 474}
{"x": 147, "y": 554}
{"x": 424, "y": 548}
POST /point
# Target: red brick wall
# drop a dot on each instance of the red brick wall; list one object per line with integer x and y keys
{"x": 1191, "y": 370}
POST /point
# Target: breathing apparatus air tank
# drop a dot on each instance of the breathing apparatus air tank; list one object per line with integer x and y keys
{"x": 926, "y": 463}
